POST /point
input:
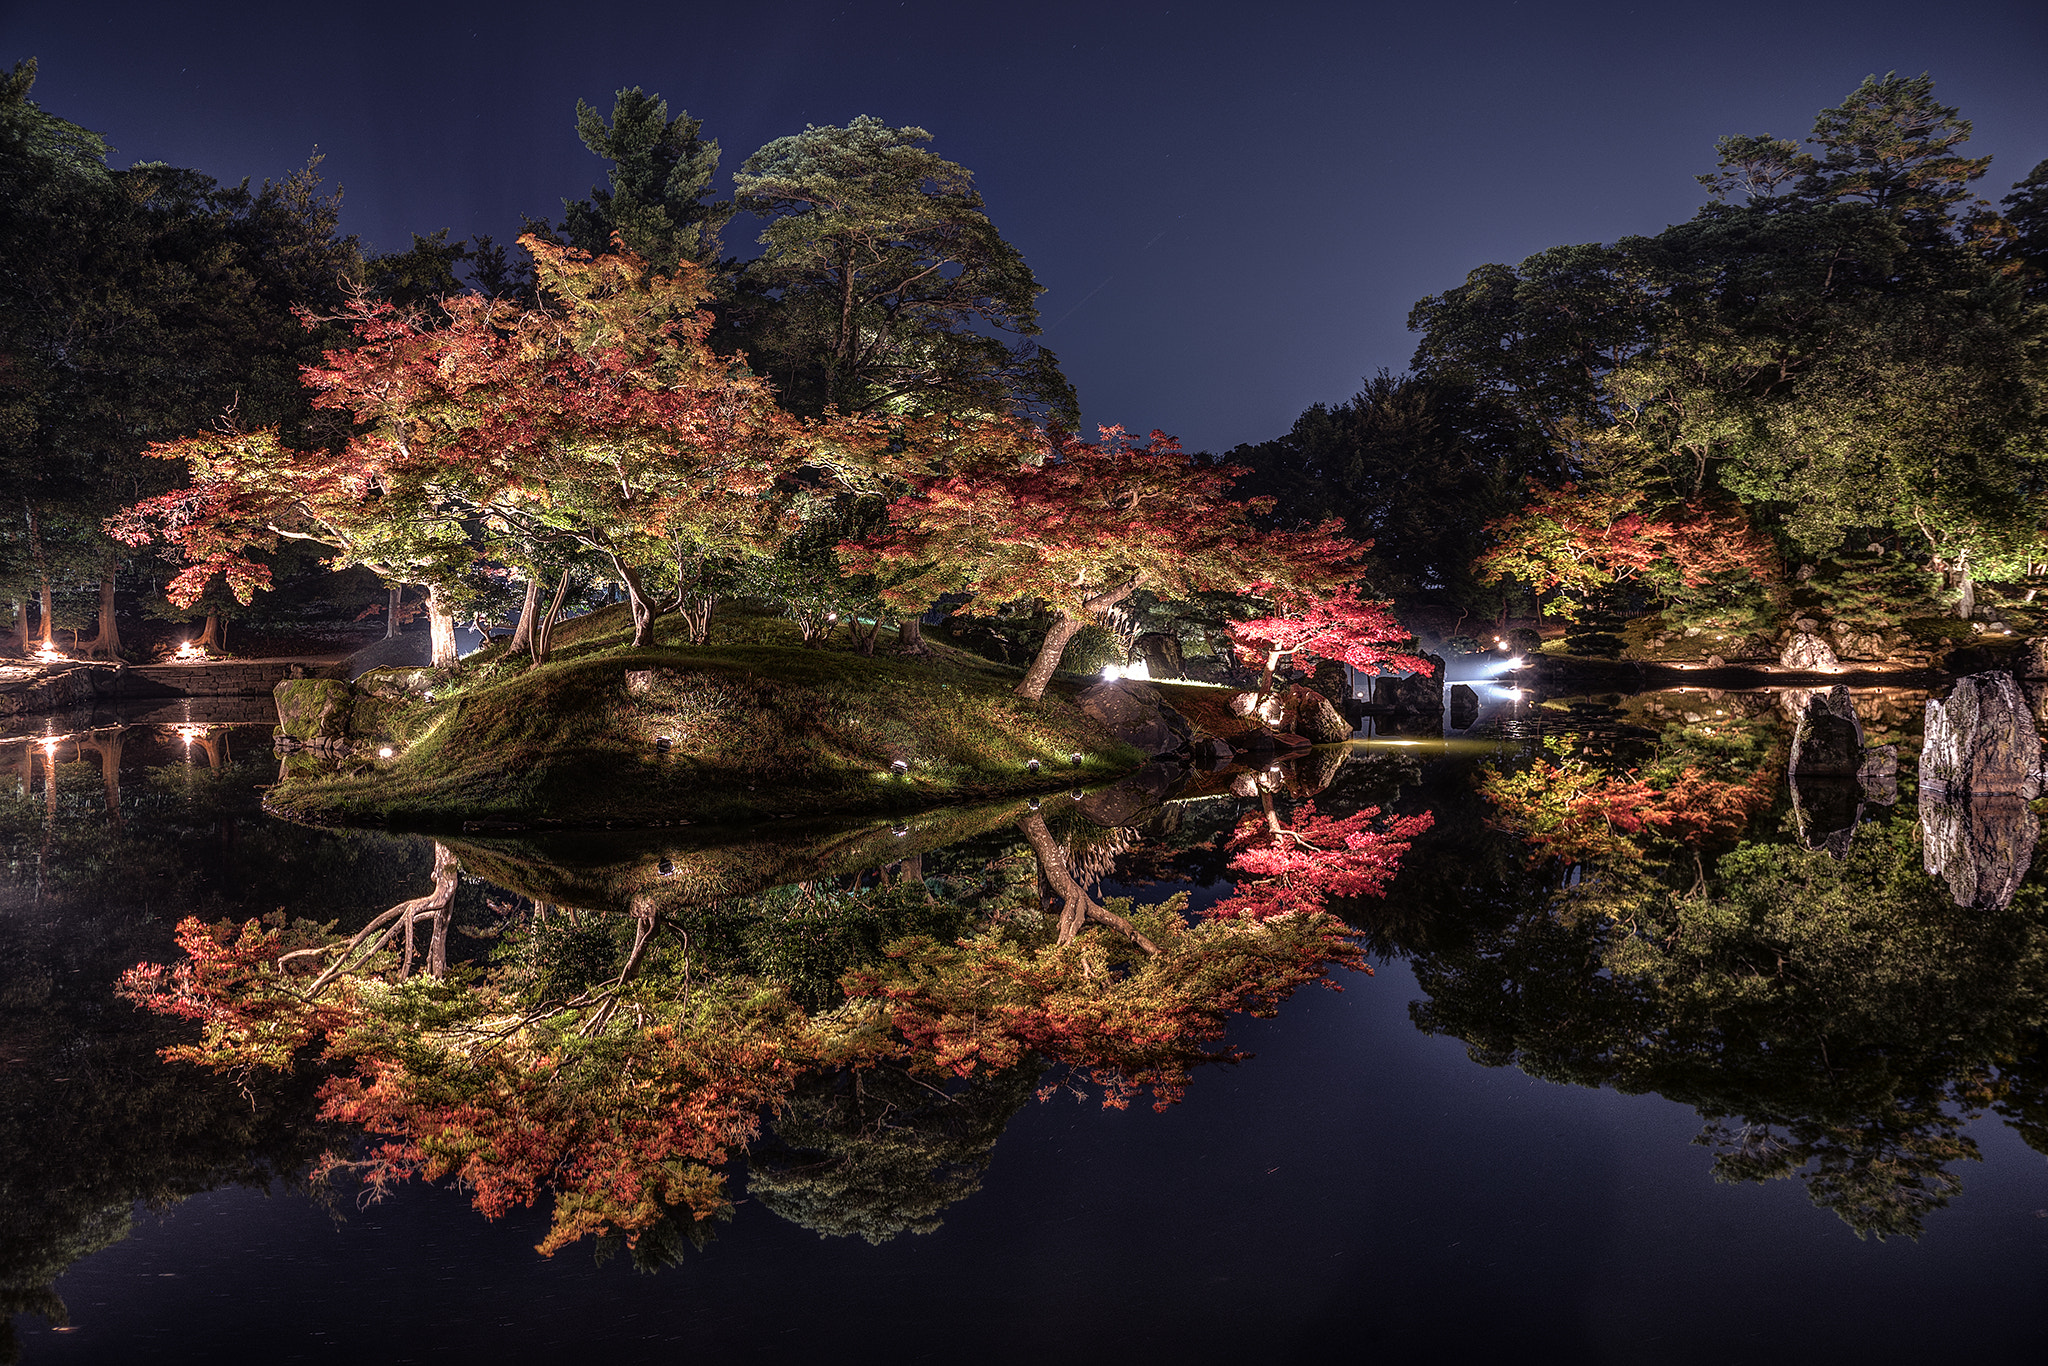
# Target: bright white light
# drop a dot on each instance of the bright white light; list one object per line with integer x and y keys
{"x": 386, "y": 752}
{"x": 1141, "y": 671}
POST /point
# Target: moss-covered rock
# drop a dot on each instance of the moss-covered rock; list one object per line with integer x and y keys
{"x": 326, "y": 714}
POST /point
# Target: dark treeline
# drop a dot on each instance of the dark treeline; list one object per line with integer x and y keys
{"x": 1838, "y": 357}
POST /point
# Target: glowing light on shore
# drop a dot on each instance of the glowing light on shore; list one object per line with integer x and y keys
{"x": 1140, "y": 672}
{"x": 386, "y": 752}
{"x": 47, "y": 653}
{"x": 189, "y": 650}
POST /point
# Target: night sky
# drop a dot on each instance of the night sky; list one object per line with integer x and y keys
{"x": 1232, "y": 206}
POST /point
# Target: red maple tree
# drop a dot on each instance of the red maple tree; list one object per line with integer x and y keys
{"x": 1079, "y": 526}
{"x": 1338, "y": 626}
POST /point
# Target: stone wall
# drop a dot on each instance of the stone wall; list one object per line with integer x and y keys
{"x": 219, "y": 679}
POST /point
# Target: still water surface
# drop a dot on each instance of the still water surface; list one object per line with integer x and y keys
{"x": 1383, "y": 1173}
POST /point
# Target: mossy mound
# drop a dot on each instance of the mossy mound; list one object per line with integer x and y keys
{"x": 719, "y": 735}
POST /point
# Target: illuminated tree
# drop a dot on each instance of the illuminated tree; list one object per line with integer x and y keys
{"x": 1337, "y": 627}
{"x": 1081, "y": 527}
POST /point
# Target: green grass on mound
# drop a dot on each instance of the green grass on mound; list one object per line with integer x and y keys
{"x": 754, "y": 730}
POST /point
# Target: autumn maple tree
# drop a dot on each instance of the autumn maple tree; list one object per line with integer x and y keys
{"x": 1079, "y": 526}
{"x": 597, "y": 420}
{"x": 1337, "y": 626}
{"x": 1296, "y": 867}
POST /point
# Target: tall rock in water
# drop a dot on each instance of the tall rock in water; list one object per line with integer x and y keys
{"x": 1827, "y": 736}
{"x": 1980, "y": 766}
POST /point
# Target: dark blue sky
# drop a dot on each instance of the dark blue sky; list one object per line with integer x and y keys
{"x": 1232, "y": 206}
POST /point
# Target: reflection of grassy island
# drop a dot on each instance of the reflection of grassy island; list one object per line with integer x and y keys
{"x": 744, "y": 729}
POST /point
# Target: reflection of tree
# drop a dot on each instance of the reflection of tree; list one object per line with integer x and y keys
{"x": 879, "y": 1152}
{"x": 1837, "y": 1021}
{"x": 615, "y": 1063}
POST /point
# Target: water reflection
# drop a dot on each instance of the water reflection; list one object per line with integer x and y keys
{"x": 1650, "y": 893}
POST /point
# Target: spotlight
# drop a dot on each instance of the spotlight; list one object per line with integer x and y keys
{"x": 386, "y": 752}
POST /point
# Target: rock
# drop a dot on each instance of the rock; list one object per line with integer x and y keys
{"x": 1827, "y": 737}
{"x": 1136, "y": 714}
{"x": 1310, "y": 715}
{"x": 1808, "y": 653}
{"x": 1853, "y": 644}
{"x": 1981, "y": 848}
{"x": 1982, "y": 742}
{"x": 1878, "y": 774}
{"x": 1716, "y": 662}
{"x": 1980, "y": 766}
{"x": 1806, "y": 571}
{"x": 639, "y": 682}
{"x": 2033, "y": 660}
{"x": 1332, "y": 680}
{"x": 1386, "y": 693}
{"x": 1136, "y": 797}
{"x": 318, "y": 713}
{"x": 1827, "y": 811}
{"x": 1423, "y": 692}
{"x": 1807, "y": 625}
{"x": 1248, "y": 704}
{"x": 1464, "y": 707}
{"x": 1213, "y": 755}
{"x": 1161, "y": 655}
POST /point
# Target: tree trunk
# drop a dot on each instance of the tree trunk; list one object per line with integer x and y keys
{"x": 544, "y": 635}
{"x": 1076, "y": 906}
{"x": 391, "y": 612}
{"x": 644, "y": 608}
{"x": 49, "y": 622}
{"x": 214, "y": 637}
{"x": 21, "y": 625}
{"x": 696, "y": 613}
{"x": 910, "y": 636}
{"x": 1966, "y": 602}
{"x": 529, "y": 608}
{"x": 441, "y": 622}
{"x": 1064, "y": 628}
{"x": 108, "y": 641}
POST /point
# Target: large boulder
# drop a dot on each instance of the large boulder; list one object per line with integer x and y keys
{"x": 1311, "y": 715}
{"x": 1160, "y": 653}
{"x": 1135, "y": 798}
{"x": 319, "y": 713}
{"x": 1827, "y": 811}
{"x": 1808, "y": 653}
{"x": 1332, "y": 680}
{"x": 1464, "y": 706}
{"x": 1827, "y": 736}
{"x": 1980, "y": 766}
{"x": 2033, "y": 660}
{"x": 1981, "y": 848}
{"x": 1136, "y": 714}
{"x": 1423, "y": 692}
{"x": 1981, "y": 742}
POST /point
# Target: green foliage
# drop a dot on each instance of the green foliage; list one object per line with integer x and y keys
{"x": 882, "y": 282}
{"x": 661, "y": 173}
{"x": 1871, "y": 591}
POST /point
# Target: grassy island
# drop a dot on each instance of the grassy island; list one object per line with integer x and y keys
{"x": 752, "y": 727}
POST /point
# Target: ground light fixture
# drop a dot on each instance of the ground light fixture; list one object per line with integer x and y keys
{"x": 1078, "y": 794}
{"x": 1075, "y": 758}
{"x": 1032, "y": 765}
{"x": 899, "y": 830}
{"x": 661, "y": 743}
{"x": 386, "y": 752}
{"x": 899, "y": 768}
{"x": 1034, "y": 803}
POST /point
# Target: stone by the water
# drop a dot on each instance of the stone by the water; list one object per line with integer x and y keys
{"x": 1827, "y": 737}
{"x": 1311, "y": 715}
{"x": 1981, "y": 742}
{"x": 1136, "y": 714}
{"x": 1807, "y": 652}
{"x": 1464, "y": 706}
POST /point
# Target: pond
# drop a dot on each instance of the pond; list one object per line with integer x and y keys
{"x": 1660, "y": 1056}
